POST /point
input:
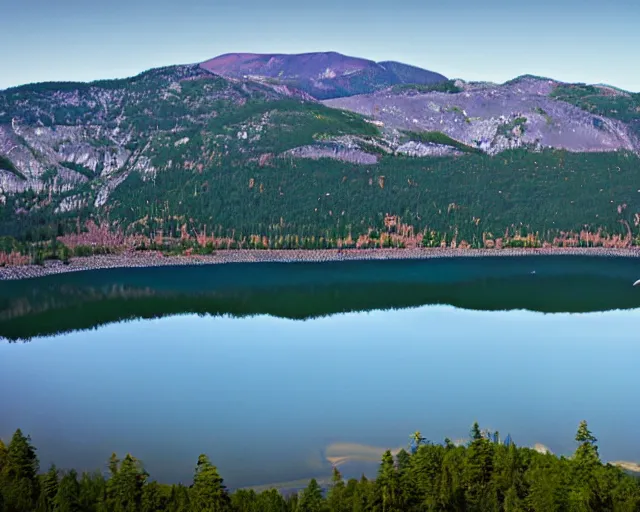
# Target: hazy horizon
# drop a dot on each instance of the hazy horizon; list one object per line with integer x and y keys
{"x": 571, "y": 41}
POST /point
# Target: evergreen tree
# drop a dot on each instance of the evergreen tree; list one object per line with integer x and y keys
{"x": 92, "y": 492}
{"x": 3, "y": 456}
{"x": 477, "y": 473}
{"x": 48, "y": 490}
{"x": 336, "y": 498}
{"x": 68, "y": 496}
{"x": 208, "y": 493}
{"x": 587, "y": 451}
{"x": 476, "y": 434}
{"x": 547, "y": 484}
{"x": 270, "y": 501}
{"x": 124, "y": 488}
{"x": 387, "y": 485}
{"x": 179, "y": 499}
{"x": 311, "y": 498}
{"x": 512, "y": 502}
{"x": 19, "y": 474}
{"x": 405, "y": 481}
{"x": 426, "y": 471}
{"x": 152, "y": 498}
{"x": 243, "y": 500}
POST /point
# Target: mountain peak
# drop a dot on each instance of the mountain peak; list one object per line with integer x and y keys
{"x": 322, "y": 74}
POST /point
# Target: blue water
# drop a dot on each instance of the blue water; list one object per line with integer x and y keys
{"x": 265, "y": 396}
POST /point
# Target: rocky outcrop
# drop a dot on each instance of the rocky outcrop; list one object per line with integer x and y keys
{"x": 420, "y": 149}
{"x": 495, "y": 117}
{"x": 55, "y": 137}
{"x": 334, "y": 151}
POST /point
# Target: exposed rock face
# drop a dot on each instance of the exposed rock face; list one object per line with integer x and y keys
{"x": 58, "y": 136}
{"x": 78, "y": 142}
{"x": 335, "y": 151}
{"x": 322, "y": 75}
{"x": 496, "y": 117}
{"x": 420, "y": 149}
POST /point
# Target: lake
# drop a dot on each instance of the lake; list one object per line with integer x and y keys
{"x": 274, "y": 370}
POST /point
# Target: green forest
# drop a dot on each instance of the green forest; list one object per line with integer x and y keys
{"x": 208, "y": 168}
{"x": 483, "y": 475}
{"x": 519, "y": 196}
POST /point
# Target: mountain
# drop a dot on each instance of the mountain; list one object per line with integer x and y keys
{"x": 180, "y": 154}
{"x": 523, "y": 112}
{"x": 322, "y": 75}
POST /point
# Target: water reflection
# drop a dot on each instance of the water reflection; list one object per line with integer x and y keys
{"x": 273, "y": 400}
{"x": 86, "y": 300}
{"x": 78, "y": 301}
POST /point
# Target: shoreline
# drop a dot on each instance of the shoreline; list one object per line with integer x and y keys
{"x": 151, "y": 259}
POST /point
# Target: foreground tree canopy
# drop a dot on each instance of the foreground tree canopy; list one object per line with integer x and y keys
{"x": 484, "y": 475}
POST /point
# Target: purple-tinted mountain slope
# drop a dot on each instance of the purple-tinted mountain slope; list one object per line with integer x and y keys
{"x": 493, "y": 117}
{"x": 323, "y": 75}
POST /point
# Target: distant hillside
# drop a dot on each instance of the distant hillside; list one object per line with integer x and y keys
{"x": 182, "y": 158}
{"x": 322, "y": 75}
{"x": 524, "y": 112}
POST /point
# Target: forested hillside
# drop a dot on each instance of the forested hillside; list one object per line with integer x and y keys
{"x": 181, "y": 159}
{"x": 484, "y": 475}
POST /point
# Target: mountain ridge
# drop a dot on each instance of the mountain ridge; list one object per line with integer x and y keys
{"x": 322, "y": 74}
{"x": 185, "y": 148}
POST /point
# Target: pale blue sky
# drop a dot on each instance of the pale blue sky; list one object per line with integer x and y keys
{"x": 572, "y": 40}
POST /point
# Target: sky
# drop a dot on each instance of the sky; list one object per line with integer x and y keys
{"x": 495, "y": 40}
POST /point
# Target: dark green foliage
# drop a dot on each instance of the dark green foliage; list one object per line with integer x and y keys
{"x": 217, "y": 146}
{"x": 208, "y": 493}
{"x": 93, "y": 488}
{"x": 19, "y": 474}
{"x": 443, "y": 139}
{"x": 7, "y": 165}
{"x": 448, "y": 86}
{"x": 49, "y": 483}
{"x": 68, "y": 496}
{"x": 311, "y": 499}
{"x": 124, "y": 487}
{"x": 520, "y": 78}
{"x": 337, "y": 495}
{"x": 620, "y": 105}
{"x": 482, "y": 476}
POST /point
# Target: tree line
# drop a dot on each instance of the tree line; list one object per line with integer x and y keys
{"x": 486, "y": 474}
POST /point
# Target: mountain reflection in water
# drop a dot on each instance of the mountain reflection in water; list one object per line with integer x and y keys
{"x": 86, "y": 300}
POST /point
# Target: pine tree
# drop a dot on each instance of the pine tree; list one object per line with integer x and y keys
{"x": 362, "y": 499}
{"x": 124, "y": 488}
{"x": 3, "y": 456}
{"x": 208, "y": 493}
{"x": 19, "y": 474}
{"x": 152, "y": 499}
{"x": 478, "y": 469}
{"x": 512, "y": 502}
{"x": 93, "y": 488}
{"x": 405, "y": 481}
{"x": 587, "y": 451}
{"x": 475, "y": 432}
{"x": 270, "y": 501}
{"x": 387, "y": 485}
{"x": 68, "y": 496}
{"x": 336, "y": 498}
{"x": 243, "y": 500}
{"x": 179, "y": 499}
{"x": 426, "y": 475}
{"x": 311, "y": 499}
{"x": 48, "y": 490}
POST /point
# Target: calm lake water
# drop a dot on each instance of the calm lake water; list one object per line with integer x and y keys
{"x": 271, "y": 369}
